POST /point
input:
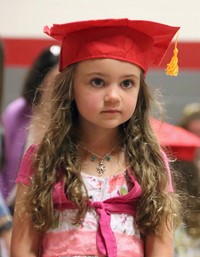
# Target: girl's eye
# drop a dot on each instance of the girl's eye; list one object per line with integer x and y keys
{"x": 127, "y": 83}
{"x": 97, "y": 82}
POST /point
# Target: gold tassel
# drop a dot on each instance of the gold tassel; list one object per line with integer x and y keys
{"x": 172, "y": 67}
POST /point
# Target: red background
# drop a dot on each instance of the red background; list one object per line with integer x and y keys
{"x": 22, "y": 52}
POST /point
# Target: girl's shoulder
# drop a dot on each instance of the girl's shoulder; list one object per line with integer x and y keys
{"x": 26, "y": 167}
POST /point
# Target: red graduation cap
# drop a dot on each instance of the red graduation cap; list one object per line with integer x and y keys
{"x": 136, "y": 41}
{"x": 182, "y": 143}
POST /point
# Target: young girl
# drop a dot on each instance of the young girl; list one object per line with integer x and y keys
{"x": 98, "y": 184}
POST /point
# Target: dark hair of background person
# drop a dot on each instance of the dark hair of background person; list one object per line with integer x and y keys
{"x": 48, "y": 58}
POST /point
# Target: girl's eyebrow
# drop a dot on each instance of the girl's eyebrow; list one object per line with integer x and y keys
{"x": 96, "y": 74}
{"x": 106, "y": 75}
{"x": 130, "y": 76}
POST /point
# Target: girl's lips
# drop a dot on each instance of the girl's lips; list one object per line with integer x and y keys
{"x": 111, "y": 111}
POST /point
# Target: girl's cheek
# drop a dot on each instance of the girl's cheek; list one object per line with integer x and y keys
{"x": 93, "y": 99}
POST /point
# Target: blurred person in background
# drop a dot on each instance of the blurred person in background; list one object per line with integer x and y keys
{"x": 187, "y": 237}
{"x": 5, "y": 227}
{"x": 17, "y": 117}
{"x": 5, "y": 215}
{"x": 190, "y": 118}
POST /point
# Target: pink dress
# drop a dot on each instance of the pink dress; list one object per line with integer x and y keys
{"x": 108, "y": 229}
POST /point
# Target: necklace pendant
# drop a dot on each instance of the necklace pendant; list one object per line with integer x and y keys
{"x": 108, "y": 158}
{"x": 93, "y": 158}
{"x": 101, "y": 169}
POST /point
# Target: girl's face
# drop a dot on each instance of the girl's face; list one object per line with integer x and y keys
{"x": 105, "y": 92}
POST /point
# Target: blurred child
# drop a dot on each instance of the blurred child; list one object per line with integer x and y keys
{"x": 187, "y": 237}
{"x": 17, "y": 116}
{"x": 5, "y": 216}
{"x": 5, "y": 225}
{"x": 190, "y": 118}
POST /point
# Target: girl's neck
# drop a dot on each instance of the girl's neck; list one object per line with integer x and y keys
{"x": 101, "y": 152}
{"x": 101, "y": 141}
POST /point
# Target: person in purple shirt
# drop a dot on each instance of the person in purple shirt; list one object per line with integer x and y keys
{"x": 17, "y": 116}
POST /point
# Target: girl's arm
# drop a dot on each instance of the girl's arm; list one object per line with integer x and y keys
{"x": 156, "y": 246}
{"x": 25, "y": 240}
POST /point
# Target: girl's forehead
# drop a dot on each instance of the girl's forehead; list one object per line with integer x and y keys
{"x": 105, "y": 66}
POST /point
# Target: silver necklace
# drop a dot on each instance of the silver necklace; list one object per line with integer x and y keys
{"x": 101, "y": 167}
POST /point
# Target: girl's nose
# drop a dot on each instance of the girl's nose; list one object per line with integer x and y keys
{"x": 112, "y": 95}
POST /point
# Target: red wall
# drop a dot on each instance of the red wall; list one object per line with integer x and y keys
{"x": 22, "y": 51}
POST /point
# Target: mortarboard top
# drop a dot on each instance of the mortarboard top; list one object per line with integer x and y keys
{"x": 140, "y": 42}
